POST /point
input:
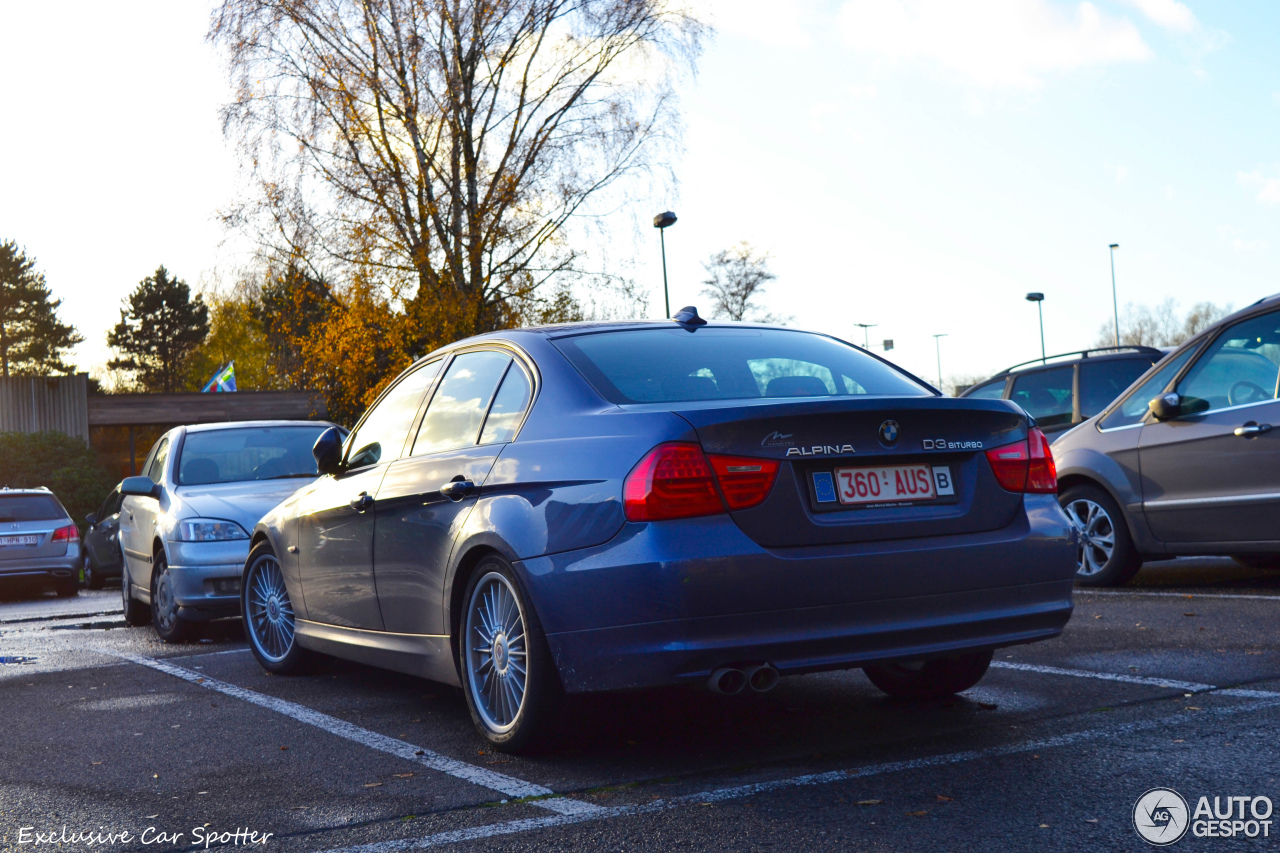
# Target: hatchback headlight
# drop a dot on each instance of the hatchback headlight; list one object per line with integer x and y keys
{"x": 209, "y": 530}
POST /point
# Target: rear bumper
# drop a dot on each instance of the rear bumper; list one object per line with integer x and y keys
{"x": 43, "y": 569}
{"x": 669, "y": 603}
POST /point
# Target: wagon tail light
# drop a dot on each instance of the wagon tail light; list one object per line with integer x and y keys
{"x": 678, "y": 480}
{"x": 70, "y": 533}
{"x": 1026, "y": 465}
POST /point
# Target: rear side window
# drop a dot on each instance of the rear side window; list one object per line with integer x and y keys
{"x": 670, "y": 365}
{"x": 990, "y": 391}
{"x": 1103, "y": 381}
{"x": 30, "y": 508}
{"x": 1046, "y": 395}
{"x": 457, "y": 409}
{"x": 508, "y": 407}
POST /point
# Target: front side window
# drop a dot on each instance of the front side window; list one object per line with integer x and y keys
{"x": 670, "y": 365}
{"x": 1240, "y": 367}
{"x": 110, "y": 506}
{"x": 1103, "y": 381}
{"x": 381, "y": 436}
{"x": 458, "y": 407}
{"x": 1134, "y": 408}
{"x": 156, "y": 469}
{"x": 1046, "y": 395}
{"x": 248, "y": 453}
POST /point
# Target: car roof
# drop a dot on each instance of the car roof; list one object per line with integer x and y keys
{"x": 209, "y": 427}
{"x": 38, "y": 490}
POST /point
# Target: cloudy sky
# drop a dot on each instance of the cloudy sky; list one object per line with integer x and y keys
{"x": 917, "y": 164}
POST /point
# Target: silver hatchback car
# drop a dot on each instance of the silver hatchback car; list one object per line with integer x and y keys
{"x": 39, "y": 543}
{"x": 184, "y": 524}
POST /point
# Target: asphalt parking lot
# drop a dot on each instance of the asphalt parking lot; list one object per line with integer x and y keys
{"x": 1174, "y": 681}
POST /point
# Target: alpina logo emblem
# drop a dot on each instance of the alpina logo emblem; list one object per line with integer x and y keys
{"x": 889, "y": 432}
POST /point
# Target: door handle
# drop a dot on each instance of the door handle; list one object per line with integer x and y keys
{"x": 458, "y": 489}
{"x": 361, "y": 502}
{"x": 1251, "y": 429}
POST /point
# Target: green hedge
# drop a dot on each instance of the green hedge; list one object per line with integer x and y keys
{"x": 66, "y": 465}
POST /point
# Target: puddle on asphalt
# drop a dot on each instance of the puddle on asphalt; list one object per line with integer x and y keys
{"x": 16, "y": 659}
{"x": 82, "y": 626}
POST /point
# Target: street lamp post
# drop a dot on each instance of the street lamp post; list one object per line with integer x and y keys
{"x": 865, "y": 340}
{"x": 1038, "y": 299}
{"x": 937, "y": 343}
{"x": 663, "y": 221}
{"x": 1115, "y": 305}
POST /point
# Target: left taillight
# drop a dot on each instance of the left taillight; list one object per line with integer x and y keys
{"x": 673, "y": 480}
{"x": 70, "y": 533}
{"x": 1026, "y": 465}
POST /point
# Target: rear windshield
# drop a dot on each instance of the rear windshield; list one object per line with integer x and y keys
{"x": 30, "y": 508}
{"x": 248, "y": 453}
{"x": 670, "y": 365}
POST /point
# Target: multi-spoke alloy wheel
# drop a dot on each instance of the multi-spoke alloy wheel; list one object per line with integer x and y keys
{"x": 1097, "y": 538}
{"x": 496, "y": 652}
{"x": 268, "y": 613}
{"x": 168, "y": 622}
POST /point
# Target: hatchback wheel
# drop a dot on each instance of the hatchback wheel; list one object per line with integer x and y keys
{"x": 930, "y": 679}
{"x": 269, "y": 621}
{"x": 1105, "y": 555}
{"x": 170, "y": 626}
{"x": 509, "y": 678}
{"x": 92, "y": 579}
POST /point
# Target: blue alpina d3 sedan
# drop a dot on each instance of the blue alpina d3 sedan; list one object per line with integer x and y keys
{"x": 607, "y": 506}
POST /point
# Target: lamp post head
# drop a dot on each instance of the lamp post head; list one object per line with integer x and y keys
{"x": 1035, "y": 297}
{"x": 1114, "y": 246}
{"x": 664, "y": 219}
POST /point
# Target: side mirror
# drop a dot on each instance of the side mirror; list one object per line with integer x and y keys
{"x": 91, "y": 519}
{"x": 328, "y": 451}
{"x": 140, "y": 487}
{"x": 1166, "y": 407}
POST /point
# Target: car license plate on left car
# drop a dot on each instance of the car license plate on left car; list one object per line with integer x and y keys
{"x": 886, "y": 484}
{"x": 19, "y": 541}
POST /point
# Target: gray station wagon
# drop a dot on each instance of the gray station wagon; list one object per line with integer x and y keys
{"x": 39, "y": 543}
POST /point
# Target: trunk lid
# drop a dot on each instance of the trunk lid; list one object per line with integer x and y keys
{"x": 941, "y": 437}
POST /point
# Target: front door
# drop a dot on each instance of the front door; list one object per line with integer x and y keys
{"x": 426, "y": 497}
{"x": 337, "y": 517}
{"x": 1212, "y": 475}
{"x": 138, "y": 520}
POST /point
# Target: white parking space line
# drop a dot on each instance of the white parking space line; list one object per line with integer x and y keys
{"x": 1129, "y": 593}
{"x": 1185, "y": 686}
{"x": 507, "y": 785}
{"x": 741, "y": 791}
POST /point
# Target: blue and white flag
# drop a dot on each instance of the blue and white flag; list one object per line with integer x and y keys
{"x": 222, "y": 381}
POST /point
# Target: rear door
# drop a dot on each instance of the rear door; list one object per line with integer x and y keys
{"x": 102, "y": 540}
{"x": 27, "y": 523}
{"x": 460, "y": 436}
{"x": 1213, "y": 474}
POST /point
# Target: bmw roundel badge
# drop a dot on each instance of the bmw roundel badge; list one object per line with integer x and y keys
{"x": 889, "y": 432}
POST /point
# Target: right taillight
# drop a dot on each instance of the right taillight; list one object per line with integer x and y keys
{"x": 1025, "y": 465}
{"x": 744, "y": 480}
{"x": 673, "y": 480}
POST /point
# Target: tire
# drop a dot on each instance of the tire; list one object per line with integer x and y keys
{"x": 269, "y": 621}
{"x": 1105, "y": 555}
{"x": 136, "y": 613}
{"x": 169, "y": 625}
{"x": 930, "y": 679}
{"x": 92, "y": 579}
{"x": 1258, "y": 561}
{"x": 67, "y": 589}
{"x": 498, "y": 629}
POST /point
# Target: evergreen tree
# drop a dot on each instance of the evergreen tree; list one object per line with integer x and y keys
{"x": 160, "y": 327}
{"x": 32, "y": 338}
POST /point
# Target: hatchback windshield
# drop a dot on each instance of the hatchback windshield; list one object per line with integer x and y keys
{"x": 30, "y": 508}
{"x": 248, "y": 453}
{"x": 667, "y": 365}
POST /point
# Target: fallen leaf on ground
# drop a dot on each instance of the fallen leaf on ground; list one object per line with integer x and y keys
{"x": 403, "y": 775}
{"x": 1091, "y": 820}
{"x": 1179, "y": 740}
{"x": 285, "y": 748}
{"x": 919, "y": 813}
{"x": 1044, "y": 826}
{"x": 151, "y": 816}
{"x": 95, "y": 762}
{"x": 945, "y": 799}
{"x": 987, "y": 706}
{"x": 373, "y": 784}
{"x": 1188, "y": 614}
{"x": 870, "y": 802}
{"x": 1192, "y": 708}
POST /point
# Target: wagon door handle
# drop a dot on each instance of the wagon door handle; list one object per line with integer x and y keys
{"x": 458, "y": 489}
{"x": 1250, "y": 429}
{"x": 361, "y": 502}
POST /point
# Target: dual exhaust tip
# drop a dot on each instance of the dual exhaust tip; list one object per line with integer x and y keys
{"x": 730, "y": 680}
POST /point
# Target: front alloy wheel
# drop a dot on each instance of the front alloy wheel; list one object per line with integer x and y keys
{"x": 169, "y": 625}
{"x": 269, "y": 621}
{"x": 510, "y": 682}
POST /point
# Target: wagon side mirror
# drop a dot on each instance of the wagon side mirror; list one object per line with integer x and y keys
{"x": 140, "y": 487}
{"x": 1166, "y": 407}
{"x": 328, "y": 451}
{"x": 91, "y": 519}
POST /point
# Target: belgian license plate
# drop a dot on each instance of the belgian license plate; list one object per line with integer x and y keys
{"x": 890, "y": 484}
{"x": 15, "y": 541}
